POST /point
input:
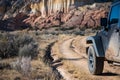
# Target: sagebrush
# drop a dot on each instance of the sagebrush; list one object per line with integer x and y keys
{"x": 12, "y": 45}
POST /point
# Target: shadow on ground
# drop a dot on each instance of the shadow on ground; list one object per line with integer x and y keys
{"x": 109, "y": 74}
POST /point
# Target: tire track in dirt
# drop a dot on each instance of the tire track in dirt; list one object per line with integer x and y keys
{"x": 77, "y": 59}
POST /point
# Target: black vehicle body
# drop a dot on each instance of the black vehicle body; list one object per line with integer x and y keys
{"x": 106, "y": 43}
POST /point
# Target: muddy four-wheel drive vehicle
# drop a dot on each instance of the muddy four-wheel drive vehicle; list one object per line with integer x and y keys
{"x": 105, "y": 45}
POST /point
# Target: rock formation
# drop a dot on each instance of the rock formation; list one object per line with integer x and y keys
{"x": 39, "y": 14}
{"x": 46, "y": 7}
{"x": 84, "y": 16}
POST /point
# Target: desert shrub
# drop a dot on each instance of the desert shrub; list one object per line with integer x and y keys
{"x": 12, "y": 45}
{"x": 28, "y": 50}
{"x": 6, "y": 45}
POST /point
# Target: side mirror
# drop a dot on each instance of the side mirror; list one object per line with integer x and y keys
{"x": 103, "y": 22}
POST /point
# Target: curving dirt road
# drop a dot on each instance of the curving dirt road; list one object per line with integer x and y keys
{"x": 73, "y": 56}
{"x": 79, "y": 60}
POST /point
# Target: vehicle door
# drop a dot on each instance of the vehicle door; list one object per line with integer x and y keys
{"x": 113, "y": 35}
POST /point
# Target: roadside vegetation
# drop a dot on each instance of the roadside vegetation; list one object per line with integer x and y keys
{"x": 22, "y": 56}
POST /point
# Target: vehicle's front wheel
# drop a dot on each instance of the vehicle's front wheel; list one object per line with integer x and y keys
{"x": 95, "y": 64}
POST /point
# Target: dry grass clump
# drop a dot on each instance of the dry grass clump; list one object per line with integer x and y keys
{"x": 41, "y": 71}
{"x": 76, "y": 72}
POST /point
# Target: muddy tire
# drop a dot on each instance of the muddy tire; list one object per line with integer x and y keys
{"x": 95, "y": 64}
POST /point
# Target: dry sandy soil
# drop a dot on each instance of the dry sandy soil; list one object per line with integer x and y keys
{"x": 70, "y": 60}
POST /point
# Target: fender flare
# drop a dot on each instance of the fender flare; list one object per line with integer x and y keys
{"x": 97, "y": 44}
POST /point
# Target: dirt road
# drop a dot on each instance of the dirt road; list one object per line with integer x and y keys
{"x": 74, "y": 61}
{"x": 79, "y": 60}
